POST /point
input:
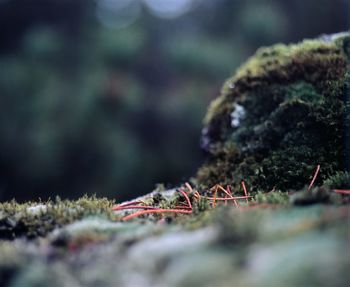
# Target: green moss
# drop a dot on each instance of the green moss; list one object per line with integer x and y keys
{"x": 315, "y": 196}
{"x": 276, "y": 197}
{"x": 340, "y": 180}
{"x": 237, "y": 228}
{"x": 37, "y": 219}
{"x": 282, "y": 113}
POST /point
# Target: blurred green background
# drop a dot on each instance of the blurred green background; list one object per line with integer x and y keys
{"x": 108, "y": 96}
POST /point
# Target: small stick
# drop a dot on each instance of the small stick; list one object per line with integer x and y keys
{"x": 182, "y": 207}
{"x": 245, "y": 190}
{"x": 215, "y": 193}
{"x": 189, "y": 186}
{"x": 132, "y": 207}
{"x": 197, "y": 195}
{"x": 342, "y": 191}
{"x": 222, "y": 198}
{"x": 129, "y": 203}
{"x": 314, "y": 178}
{"x": 225, "y": 191}
{"x": 183, "y": 204}
{"x": 136, "y": 214}
{"x": 228, "y": 188}
{"x": 229, "y": 193}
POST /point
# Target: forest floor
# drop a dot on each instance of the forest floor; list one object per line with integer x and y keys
{"x": 267, "y": 241}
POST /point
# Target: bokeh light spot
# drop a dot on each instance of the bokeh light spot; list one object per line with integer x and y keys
{"x": 168, "y": 9}
{"x": 118, "y": 13}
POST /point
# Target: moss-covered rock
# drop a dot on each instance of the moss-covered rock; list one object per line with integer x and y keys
{"x": 31, "y": 219}
{"x": 282, "y": 113}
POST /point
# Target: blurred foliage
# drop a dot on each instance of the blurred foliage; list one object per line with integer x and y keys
{"x": 86, "y": 108}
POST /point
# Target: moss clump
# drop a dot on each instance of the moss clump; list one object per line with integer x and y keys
{"x": 283, "y": 113}
{"x": 276, "y": 197}
{"x": 318, "y": 195}
{"x": 32, "y": 219}
{"x": 340, "y": 180}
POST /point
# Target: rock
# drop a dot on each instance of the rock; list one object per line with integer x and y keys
{"x": 265, "y": 247}
{"x": 284, "y": 112}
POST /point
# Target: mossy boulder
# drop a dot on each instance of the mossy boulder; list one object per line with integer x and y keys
{"x": 285, "y": 111}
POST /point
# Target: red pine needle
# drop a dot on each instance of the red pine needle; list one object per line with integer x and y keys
{"x": 224, "y": 190}
{"x": 223, "y": 198}
{"x": 342, "y": 191}
{"x": 226, "y": 199}
{"x": 129, "y": 203}
{"x": 197, "y": 195}
{"x": 228, "y": 192}
{"x": 132, "y": 207}
{"x": 186, "y": 197}
{"x": 245, "y": 191}
{"x": 228, "y": 188}
{"x": 189, "y": 187}
{"x": 182, "y": 207}
{"x": 314, "y": 178}
{"x": 136, "y": 214}
{"x": 215, "y": 193}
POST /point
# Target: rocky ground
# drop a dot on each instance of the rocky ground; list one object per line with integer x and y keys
{"x": 271, "y": 241}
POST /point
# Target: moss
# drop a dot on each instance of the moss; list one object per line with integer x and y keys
{"x": 275, "y": 197}
{"x": 340, "y": 180}
{"x": 33, "y": 219}
{"x": 282, "y": 113}
{"x": 236, "y": 228}
{"x": 316, "y": 196}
